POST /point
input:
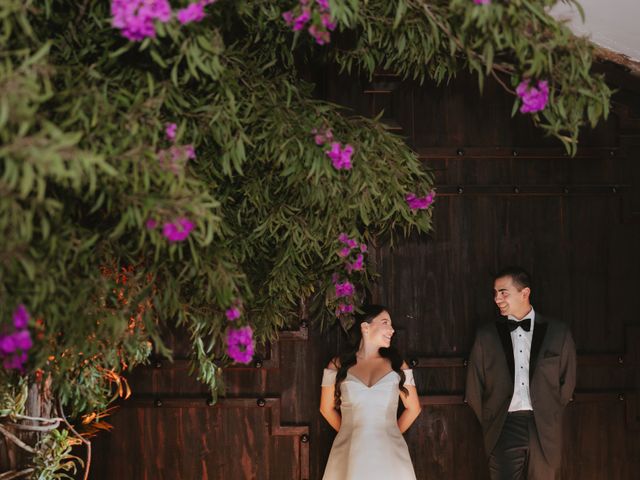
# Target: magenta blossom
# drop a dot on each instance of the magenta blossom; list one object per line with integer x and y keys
{"x": 135, "y": 17}
{"x": 15, "y": 362}
{"x": 533, "y": 99}
{"x": 288, "y": 17}
{"x": 324, "y": 4}
{"x": 351, "y": 243}
{"x": 341, "y": 158}
{"x": 344, "y": 252}
{"x": 321, "y": 137}
{"x": 8, "y": 344}
{"x": 327, "y": 23}
{"x": 193, "y": 13}
{"x": 23, "y": 340}
{"x": 21, "y": 317}
{"x": 357, "y": 265}
{"x": 240, "y": 345}
{"x": 189, "y": 152}
{"x": 14, "y": 345}
{"x": 301, "y": 20}
{"x": 232, "y": 313}
{"x": 344, "y": 308}
{"x": 175, "y": 158}
{"x": 344, "y": 289}
{"x": 151, "y": 224}
{"x": 343, "y": 237}
{"x": 363, "y": 247}
{"x": 322, "y": 37}
{"x": 177, "y": 231}
{"x": 170, "y": 130}
{"x": 419, "y": 203}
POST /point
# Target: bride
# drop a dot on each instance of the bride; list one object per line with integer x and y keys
{"x": 360, "y": 392}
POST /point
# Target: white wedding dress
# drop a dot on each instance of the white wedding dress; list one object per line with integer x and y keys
{"x": 369, "y": 445}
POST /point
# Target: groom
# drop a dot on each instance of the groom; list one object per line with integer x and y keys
{"x": 521, "y": 375}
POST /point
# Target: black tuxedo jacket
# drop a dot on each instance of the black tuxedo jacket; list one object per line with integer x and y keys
{"x": 552, "y": 379}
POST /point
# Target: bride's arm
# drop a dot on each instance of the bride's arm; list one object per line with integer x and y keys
{"x": 412, "y": 406}
{"x": 327, "y": 403}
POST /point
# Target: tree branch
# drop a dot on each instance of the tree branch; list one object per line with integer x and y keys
{"x": 16, "y": 473}
{"x": 16, "y": 440}
{"x": 87, "y": 465}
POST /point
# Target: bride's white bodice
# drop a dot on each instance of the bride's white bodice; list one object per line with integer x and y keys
{"x": 369, "y": 444}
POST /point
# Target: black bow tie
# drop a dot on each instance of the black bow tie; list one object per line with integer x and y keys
{"x": 524, "y": 324}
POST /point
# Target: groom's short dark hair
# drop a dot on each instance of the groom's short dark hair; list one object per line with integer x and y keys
{"x": 521, "y": 278}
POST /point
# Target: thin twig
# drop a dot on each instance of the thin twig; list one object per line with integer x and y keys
{"x": 501, "y": 82}
{"x": 38, "y": 419}
{"x": 16, "y": 473}
{"x": 35, "y": 428}
{"x": 16, "y": 440}
{"x": 87, "y": 465}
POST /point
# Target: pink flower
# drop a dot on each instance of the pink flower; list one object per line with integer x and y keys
{"x": 8, "y": 344}
{"x": 232, "y": 313}
{"x": 13, "y": 346}
{"x": 23, "y": 340}
{"x": 177, "y": 231}
{"x": 21, "y": 317}
{"x": 322, "y": 36}
{"x": 419, "y": 203}
{"x": 533, "y": 99}
{"x": 174, "y": 159}
{"x": 189, "y": 152}
{"x": 240, "y": 345}
{"x": 170, "y": 130}
{"x": 357, "y": 265}
{"x": 301, "y": 20}
{"x": 151, "y": 224}
{"x": 341, "y": 158}
{"x": 344, "y": 308}
{"x": 344, "y": 289}
{"x": 288, "y": 17}
{"x": 322, "y": 137}
{"x": 482, "y": 2}
{"x": 343, "y": 237}
{"x": 363, "y": 247}
{"x": 344, "y": 252}
{"x": 193, "y": 13}
{"x": 326, "y": 22}
{"x": 324, "y": 4}
{"x": 351, "y": 243}
{"x": 135, "y": 17}
{"x": 15, "y": 362}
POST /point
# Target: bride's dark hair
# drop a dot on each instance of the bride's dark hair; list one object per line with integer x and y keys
{"x": 348, "y": 358}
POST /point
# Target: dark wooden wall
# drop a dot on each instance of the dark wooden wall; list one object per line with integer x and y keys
{"x": 505, "y": 195}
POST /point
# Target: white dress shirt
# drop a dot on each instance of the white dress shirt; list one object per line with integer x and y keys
{"x": 521, "y": 342}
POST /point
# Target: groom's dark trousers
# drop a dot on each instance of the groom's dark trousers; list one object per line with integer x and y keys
{"x": 525, "y": 444}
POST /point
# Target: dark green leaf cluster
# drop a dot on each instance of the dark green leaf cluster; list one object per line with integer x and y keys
{"x": 509, "y": 40}
{"x": 82, "y": 118}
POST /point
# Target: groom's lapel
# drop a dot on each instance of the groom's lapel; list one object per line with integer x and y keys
{"x": 539, "y": 332}
{"x": 507, "y": 346}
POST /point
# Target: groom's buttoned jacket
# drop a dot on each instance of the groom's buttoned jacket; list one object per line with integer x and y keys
{"x": 552, "y": 378}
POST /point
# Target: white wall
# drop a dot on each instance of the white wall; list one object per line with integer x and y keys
{"x": 613, "y": 24}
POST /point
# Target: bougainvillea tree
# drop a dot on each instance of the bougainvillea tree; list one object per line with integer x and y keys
{"x": 162, "y": 163}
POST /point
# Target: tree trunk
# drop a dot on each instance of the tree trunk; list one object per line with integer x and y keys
{"x": 39, "y": 404}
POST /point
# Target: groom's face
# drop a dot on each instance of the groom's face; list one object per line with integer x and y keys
{"x": 509, "y": 299}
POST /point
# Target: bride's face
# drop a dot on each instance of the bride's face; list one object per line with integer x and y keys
{"x": 379, "y": 331}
